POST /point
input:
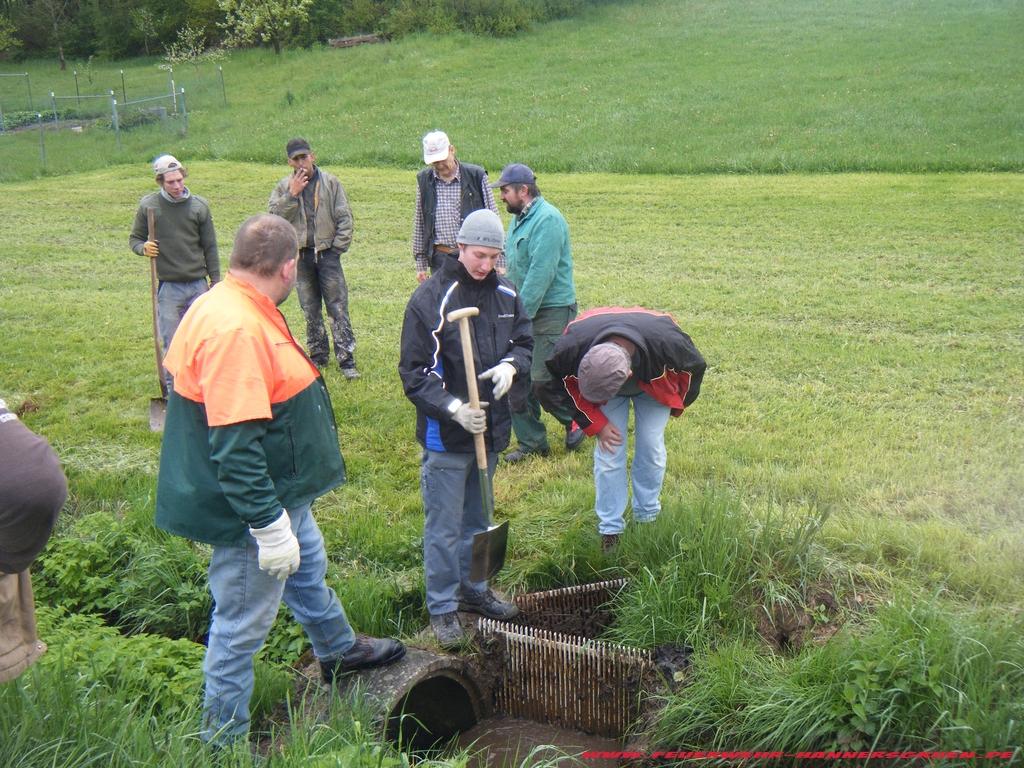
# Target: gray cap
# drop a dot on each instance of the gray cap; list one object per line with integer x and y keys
{"x": 603, "y": 371}
{"x": 166, "y": 164}
{"x": 515, "y": 173}
{"x": 482, "y": 227}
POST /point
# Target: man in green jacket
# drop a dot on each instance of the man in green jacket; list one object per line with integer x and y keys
{"x": 250, "y": 443}
{"x": 539, "y": 261}
{"x": 185, "y": 246}
{"x": 314, "y": 202}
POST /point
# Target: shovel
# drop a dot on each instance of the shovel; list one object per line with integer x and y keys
{"x": 157, "y": 405}
{"x": 488, "y": 553}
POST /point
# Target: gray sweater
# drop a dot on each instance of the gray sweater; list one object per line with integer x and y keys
{"x": 184, "y": 231}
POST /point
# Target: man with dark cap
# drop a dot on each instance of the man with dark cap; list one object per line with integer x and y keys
{"x": 447, "y": 191}
{"x": 434, "y": 378}
{"x": 607, "y": 359}
{"x": 249, "y": 445}
{"x": 315, "y": 203}
{"x": 32, "y": 491}
{"x": 540, "y": 265}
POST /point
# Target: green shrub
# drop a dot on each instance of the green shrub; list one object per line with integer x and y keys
{"x": 919, "y": 675}
{"x": 708, "y": 566}
{"x": 122, "y": 568}
{"x": 167, "y": 673}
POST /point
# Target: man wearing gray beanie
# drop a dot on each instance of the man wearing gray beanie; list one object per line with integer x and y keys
{"x": 32, "y": 491}
{"x": 608, "y": 359}
{"x": 433, "y": 375}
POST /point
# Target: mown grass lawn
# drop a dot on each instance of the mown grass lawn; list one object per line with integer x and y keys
{"x": 663, "y": 86}
{"x": 863, "y": 336}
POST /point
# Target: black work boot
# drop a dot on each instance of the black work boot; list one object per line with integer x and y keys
{"x": 574, "y": 437}
{"x": 365, "y": 653}
{"x": 520, "y": 453}
{"x": 447, "y": 630}
{"x": 487, "y": 604}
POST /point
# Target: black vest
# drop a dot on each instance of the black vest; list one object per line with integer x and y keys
{"x": 471, "y": 198}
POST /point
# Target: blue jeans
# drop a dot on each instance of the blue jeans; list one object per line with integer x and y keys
{"x": 454, "y": 509}
{"x": 649, "y": 457}
{"x": 172, "y": 301}
{"x": 246, "y": 600}
{"x": 321, "y": 282}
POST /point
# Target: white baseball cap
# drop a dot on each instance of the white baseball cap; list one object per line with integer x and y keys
{"x": 166, "y": 164}
{"x": 435, "y": 146}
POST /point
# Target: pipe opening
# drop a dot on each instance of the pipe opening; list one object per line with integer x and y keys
{"x": 435, "y": 710}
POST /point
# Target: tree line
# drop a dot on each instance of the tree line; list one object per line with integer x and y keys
{"x": 116, "y": 29}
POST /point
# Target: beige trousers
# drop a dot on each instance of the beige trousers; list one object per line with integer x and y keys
{"x": 19, "y": 646}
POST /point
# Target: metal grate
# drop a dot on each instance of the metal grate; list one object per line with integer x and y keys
{"x": 566, "y": 680}
{"x": 579, "y": 610}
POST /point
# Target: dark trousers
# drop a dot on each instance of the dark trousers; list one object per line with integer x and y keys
{"x": 532, "y": 392}
{"x": 321, "y": 282}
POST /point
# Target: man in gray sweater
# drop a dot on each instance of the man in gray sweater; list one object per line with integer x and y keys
{"x": 184, "y": 246}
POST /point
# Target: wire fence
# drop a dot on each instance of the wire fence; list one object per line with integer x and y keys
{"x": 156, "y": 101}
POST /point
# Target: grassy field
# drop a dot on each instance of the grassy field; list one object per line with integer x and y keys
{"x": 667, "y": 86}
{"x": 859, "y": 435}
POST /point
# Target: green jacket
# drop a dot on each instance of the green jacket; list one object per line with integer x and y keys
{"x": 184, "y": 230}
{"x": 540, "y": 258}
{"x": 249, "y": 428}
{"x": 333, "y": 221}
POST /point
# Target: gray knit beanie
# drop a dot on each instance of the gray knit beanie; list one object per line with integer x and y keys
{"x": 482, "y": 227}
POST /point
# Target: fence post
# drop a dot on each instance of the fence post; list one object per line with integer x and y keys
{"x": 42, "y": 141}
{"x": 78, "y": 95}
{"x": 114, "y": 121}
{"x": 124, "y": 93}
{"x": 53, "y": 105}
{"x": 184, "y": 112}
{"x": 223, "y": 91}
{"x": 28, "y": 83}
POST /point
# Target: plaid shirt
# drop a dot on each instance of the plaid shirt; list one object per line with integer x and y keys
{"x": 447, "y": 218}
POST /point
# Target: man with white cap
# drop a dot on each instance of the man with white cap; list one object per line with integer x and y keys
{"x": 607, "y": 359}
{"x": 446, "y": 193}
{"x": 185, "y": 247}
{"x": 433, "y": 375}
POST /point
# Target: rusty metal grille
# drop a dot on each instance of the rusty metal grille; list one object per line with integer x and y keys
{"x": 579, "y": 610}
{"x": 571, "y": 681}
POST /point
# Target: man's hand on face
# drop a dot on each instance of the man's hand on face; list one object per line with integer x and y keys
{"x": 609, "y": 438}
{"x": 298, "y": 182}
{"x": 151, "y": 249}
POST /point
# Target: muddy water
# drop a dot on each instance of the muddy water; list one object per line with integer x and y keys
{"x": 506, "y": 742}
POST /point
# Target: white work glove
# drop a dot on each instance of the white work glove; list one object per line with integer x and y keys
{"x": 473, "y": 420}
{"x": 278, "y": 547}
{"x": 501, "y": 377}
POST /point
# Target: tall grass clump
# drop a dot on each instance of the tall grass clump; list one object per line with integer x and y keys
{"x": 919, "y": 674}
{"x": 122, "y": 568}
{"x": 711, "y": 567}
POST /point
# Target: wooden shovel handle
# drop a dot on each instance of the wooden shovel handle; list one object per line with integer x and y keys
{"x": 151, "y": 235}
{"x": 461, "y": 316}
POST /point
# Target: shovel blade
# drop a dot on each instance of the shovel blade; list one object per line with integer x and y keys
{"x": 488, "y": 554}
{"x": 157, "y": 414}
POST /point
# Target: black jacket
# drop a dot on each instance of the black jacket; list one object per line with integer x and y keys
{"x": 666, "y": 364}
{"x": 431, "y": 365}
